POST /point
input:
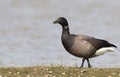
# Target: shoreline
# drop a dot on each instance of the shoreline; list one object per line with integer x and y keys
{"x": 58, "y": 71}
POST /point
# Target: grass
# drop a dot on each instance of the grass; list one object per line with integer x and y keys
{"x": 58, "y": 71}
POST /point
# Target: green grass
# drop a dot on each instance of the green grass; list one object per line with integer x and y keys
{"x": 58, "y": 71}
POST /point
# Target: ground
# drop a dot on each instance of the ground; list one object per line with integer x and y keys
{"x": 58, "y": 71}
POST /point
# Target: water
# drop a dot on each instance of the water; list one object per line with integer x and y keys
{"x": 29, "y": 38}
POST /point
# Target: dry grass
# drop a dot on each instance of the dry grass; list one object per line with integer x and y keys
{"x": 59, "y": 71}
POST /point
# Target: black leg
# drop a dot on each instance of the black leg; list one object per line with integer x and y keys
{"x": 83, "y": 60}
{"x": 89, "y": 66}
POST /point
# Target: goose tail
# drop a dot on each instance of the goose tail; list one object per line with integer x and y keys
{"x": 112, "y": 45}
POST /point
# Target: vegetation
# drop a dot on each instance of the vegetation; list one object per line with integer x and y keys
{"x": 58, "y": 71}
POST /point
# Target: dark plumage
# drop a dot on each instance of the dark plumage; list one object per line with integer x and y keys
{"x": 81, "y": 45}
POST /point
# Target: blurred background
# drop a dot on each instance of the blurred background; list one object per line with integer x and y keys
{"x": 29, "y": 38}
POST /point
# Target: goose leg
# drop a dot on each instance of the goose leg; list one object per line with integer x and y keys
{"x": 83, "y": 60}
{"x": 89, "y": 66}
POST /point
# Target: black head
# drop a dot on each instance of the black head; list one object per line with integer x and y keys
{"x": 62, "y": 21}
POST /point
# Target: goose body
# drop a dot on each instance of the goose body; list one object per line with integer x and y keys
{"x": 82, "y": 46}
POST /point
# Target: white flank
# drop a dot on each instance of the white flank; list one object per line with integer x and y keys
{"x": 104, "y": 50}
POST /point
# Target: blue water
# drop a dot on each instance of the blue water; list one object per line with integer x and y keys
{"x": 29, "y": 38}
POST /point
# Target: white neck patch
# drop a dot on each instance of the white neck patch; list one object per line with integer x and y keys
{"x": 66, "y": 27}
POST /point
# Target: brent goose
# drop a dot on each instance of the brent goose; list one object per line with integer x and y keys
{"x": 82, "y": 45}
